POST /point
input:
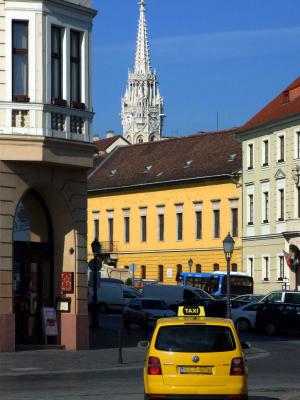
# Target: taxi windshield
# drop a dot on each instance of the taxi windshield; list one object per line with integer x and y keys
{"x": 195, "y": 338}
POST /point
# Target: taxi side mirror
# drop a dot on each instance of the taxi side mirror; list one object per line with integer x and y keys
{"x": 246, "y": 345}
{"x": 143, "y": 344}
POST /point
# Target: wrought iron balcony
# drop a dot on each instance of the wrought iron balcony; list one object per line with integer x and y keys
{"x": 109, "y": 247}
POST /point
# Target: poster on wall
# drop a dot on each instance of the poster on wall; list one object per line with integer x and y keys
{"x": 49, "y": 321}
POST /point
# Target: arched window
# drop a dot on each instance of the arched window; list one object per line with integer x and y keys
{"x": 234, "y": 267}
{"x": 152, "y": 138}
{"x": 161, "y": 273}
{"x": 198, "y": 268}
{"x": 143, "y": 271}
{"x": 140, "y": 139}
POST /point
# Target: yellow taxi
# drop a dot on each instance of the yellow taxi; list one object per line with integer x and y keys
{"x": 195, "y": 357}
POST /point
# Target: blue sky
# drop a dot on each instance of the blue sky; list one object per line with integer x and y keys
{"x": 230, "y": 57}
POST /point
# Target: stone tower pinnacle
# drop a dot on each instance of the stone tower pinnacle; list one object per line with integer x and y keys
{"x": 142, "y": 105}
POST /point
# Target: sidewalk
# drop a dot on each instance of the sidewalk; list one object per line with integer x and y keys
{"x": 41, "y": 362}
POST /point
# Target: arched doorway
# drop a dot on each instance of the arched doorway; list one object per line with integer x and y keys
{"x": 32, "y": 267}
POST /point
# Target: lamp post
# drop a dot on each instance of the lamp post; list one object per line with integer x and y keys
{"x": 96, "y": 249}
{"x": 190, "y": 264}
{"x": 228, "y": 246}
{"x": 285, "y": 284}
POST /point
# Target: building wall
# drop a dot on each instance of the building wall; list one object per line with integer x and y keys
{"x": 64, "y": 192}
{"x": 169, "y": 252}
{"x": 274, "y": 236}
{"x": 2, "y": 53}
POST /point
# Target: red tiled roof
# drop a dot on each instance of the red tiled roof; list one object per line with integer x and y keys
{"x": 202, "y": 155}
{"x": 278, "y": 108}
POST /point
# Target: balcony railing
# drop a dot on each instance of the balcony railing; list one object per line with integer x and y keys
{"x": 109, "y": 247}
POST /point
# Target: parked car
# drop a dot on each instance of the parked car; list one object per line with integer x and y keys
{"x": 282, "y": 297}
{"x": 174, "y": 295}
{"x": 248, "y": 298}
{"x": 272, "y": 318}
{"x": 112, "y": 295}
{"x": 244, "y": 317}
{"x": 145, "y": 311}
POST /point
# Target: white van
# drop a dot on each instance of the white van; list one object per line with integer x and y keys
{"x": 112, "y": 295}
{"x": 173, "y": 295}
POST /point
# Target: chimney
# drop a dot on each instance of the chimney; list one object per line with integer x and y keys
{"x": 110, "y": 133}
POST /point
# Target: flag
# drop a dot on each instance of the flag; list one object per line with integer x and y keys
{"x": 288, "y": 259}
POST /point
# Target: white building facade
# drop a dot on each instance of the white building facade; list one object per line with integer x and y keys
{"x": 271, "y": 191}
{"x": 45, "y": 153}
{"x": 142, "y": 105}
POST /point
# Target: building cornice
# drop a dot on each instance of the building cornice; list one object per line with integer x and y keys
{"x": 58, "y": 3}
{"x": 273, "y": 125}
{"x": 262, "y": 237}
{"x": 162, "y": 183}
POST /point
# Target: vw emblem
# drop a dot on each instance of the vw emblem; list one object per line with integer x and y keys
{"x": 195, "y": 359}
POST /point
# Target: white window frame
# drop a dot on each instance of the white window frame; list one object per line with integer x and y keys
{"x": 126, "y": 214}
{"x": 296, "y": 144}
{"x": 249, "y": 167}
{"x": 285, "y": 267}
{"x": 179, "y": 211}
{"x": 143, "y": 213}
{"x": 281, "y": 134}
{"x": 263, "y": 152}
{"x": 263, "y": 268}
{"x": 250, "y": 257}
{"x": 216, "y": 206}
{"x": 160, "y": 211}
{"x": 198, "y": 208}
{"x": 96, "y": 217}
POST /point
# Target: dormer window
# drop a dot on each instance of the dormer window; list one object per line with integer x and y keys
{"x": 231, "y": 158}
{"x": 113, "y": 172}
{"x": 188, "y": 164}
{"x": 147, "y": 168}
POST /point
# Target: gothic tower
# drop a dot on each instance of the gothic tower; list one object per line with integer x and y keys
{"x": 142, "y": 105}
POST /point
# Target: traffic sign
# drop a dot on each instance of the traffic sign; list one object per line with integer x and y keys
{"x": 132, "y": 267}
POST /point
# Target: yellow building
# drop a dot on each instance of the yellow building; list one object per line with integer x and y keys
{"x": 160, "y": 204}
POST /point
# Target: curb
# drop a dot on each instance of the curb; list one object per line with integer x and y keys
{"x": 71, "y": 371}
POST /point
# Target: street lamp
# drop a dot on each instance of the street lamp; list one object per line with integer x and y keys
{"x": 228, "y": 246}
{"x": 190, "y": 264}
{"x": 96, "y": 266}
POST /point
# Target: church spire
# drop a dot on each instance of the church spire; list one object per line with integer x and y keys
{"x": 142, "y": 105}
{"x": 142, "y": 56}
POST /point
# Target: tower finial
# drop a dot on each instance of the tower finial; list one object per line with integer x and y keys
{"x": 142, "y": 56}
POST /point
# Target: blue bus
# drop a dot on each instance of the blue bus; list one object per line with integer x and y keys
{"x": 215, "y": 283}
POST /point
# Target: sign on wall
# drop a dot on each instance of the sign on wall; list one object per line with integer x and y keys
{"x": 169, "y": 272}
{"x": 67, "y": 282}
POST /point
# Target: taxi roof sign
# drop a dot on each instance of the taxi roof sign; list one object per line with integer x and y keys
{"x": 191, "y": 311}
